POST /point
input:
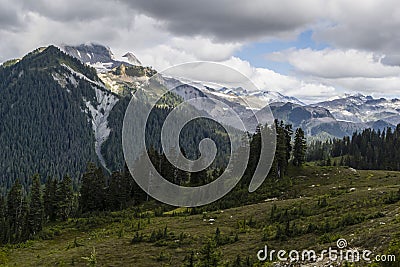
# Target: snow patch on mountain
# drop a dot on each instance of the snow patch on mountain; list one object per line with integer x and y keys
{"x": 98, "y": 109}
{"x": 60, "y": 79}
{"x": 222, "y": 95}
{"x": 64, "y": 79}
{"x": 254, "y": 100}
{"x": 99, "y": 118}
{"x": 83, "y": 77}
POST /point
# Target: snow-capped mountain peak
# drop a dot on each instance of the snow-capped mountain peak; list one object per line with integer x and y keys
{"x": 100, "y": 56}
{"x": 89, "y": 53}
{"x": 132, "y": 59}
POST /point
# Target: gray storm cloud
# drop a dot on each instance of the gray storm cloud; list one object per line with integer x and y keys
{"x": 368, "y": 25}
{"x": 168, "y": 32}
{"x": 230, "y": 20}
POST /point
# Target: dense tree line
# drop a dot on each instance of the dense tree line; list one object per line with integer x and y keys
{"x": 368, "y": 149}
{"x": 318, "y": 150}
{"x": 287, "y": 149}
{"x": 22, "y": 215}
{"x": 285, "y": 157}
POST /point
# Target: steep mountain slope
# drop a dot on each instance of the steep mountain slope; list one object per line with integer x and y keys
{"x": 53, "y": 116}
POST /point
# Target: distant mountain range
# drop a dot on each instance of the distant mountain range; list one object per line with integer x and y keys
{"x": 331, "y": 118}
{"x": 362, "y": 109}
{"x": 356, "y": 108}
{"x": 56, "y": 110}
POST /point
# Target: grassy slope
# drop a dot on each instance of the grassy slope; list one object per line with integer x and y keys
{"x": 111, "y": 234}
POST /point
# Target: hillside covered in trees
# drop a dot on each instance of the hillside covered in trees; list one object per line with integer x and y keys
{"x": 42, "y": 127}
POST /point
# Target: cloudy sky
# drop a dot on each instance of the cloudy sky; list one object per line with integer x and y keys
{"x": 306, "y": 48}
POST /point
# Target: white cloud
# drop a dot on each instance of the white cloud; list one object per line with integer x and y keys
{"x": 384, "y": 87}
{"x": 164, "y": 56}
{"x": 370, "y": 25}
{"x": 266, "y": 79}
{"x": 137, "y": 33}
{"x": 177, "y": 50}
{"x": 242, "y": 73}
{"x": 205, "y": 48}
{"x": 346, "y": 70}
{"x": 336, "y": 63}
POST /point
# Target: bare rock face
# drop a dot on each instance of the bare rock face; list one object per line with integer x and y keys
{"x": 99, "y": 56}
{"x": 132, "y": 59}
{"x": 89, "y": 53}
